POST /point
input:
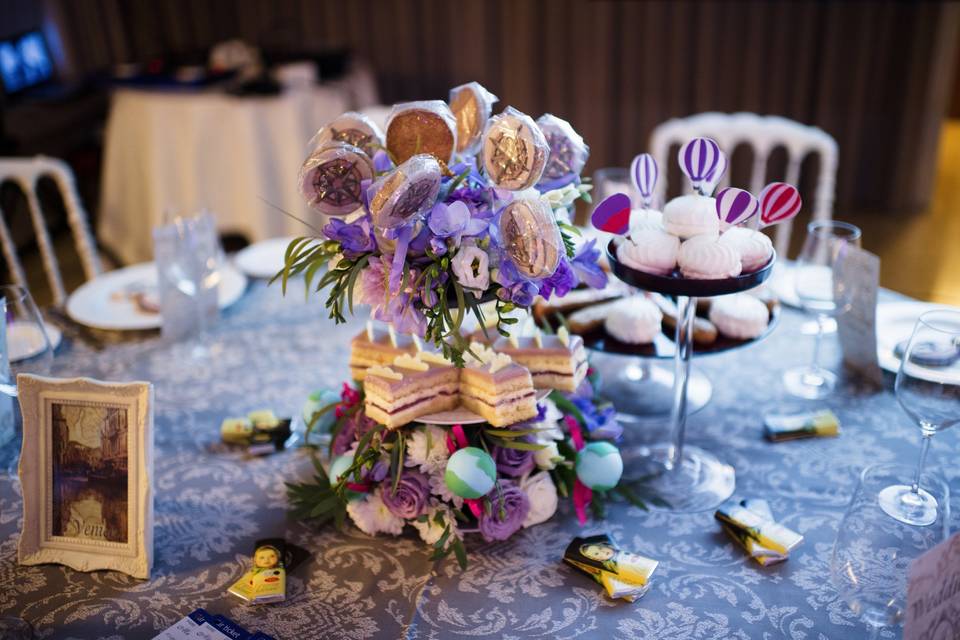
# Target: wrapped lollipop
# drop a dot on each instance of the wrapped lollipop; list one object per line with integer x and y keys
{"x": 514, "y": 150}
{"x": 427, "y": 126}
{"x": 531, "y": 237}
{"x": 568, "y": 153}
{"x": 405, "y": 193}
{"x": 353, "y": 128}
{"x": 331, "y": 179}
{"x": 471, "y": 105}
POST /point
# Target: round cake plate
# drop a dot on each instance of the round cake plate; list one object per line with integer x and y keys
{"x": 460, "y": 415}
{"x": 683, "y": 478}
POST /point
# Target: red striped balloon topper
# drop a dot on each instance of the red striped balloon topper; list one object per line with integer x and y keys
{"x": 779, "y": 201}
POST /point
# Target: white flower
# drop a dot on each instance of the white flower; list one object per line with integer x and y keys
{"x": 439, "y": 488}
{"x": 427, "y": 449}
{"x": 471, "y": 265}
{"x": 542, "y": 493}
{"x": 548, "y": 457}
{"x": 550, "y": 425}
{"x": 372, "y": 516}
{"x": 431, "y": 531}
{"x": 562, "y": 197}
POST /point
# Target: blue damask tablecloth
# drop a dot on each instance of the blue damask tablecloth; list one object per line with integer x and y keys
{"x": 211, "y": 504}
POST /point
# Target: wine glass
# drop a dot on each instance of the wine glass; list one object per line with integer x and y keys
{"x": 873, "y": 552}
{"x": 823, "y": 251}
{"x": 928, "y": 389}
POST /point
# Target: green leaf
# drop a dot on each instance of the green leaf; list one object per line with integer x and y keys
{"x": 357, "y": 268}
{"x": 460, "y": 552}
{"x": 513, "y": 444}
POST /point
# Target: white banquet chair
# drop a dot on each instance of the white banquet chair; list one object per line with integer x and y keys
{"x": 762, "y": 134}
{"x": 25, "y": 173}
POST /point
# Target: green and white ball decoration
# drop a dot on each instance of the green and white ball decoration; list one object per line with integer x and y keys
{"x": 599, "y": 466}
{"x": 471, "y": 473}
{"x": 316, "y": 401}
{"x": 337, "y": 468}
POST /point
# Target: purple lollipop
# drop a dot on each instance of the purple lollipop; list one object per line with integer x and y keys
{"x": 735, "y": 206}
{"x": 698, "y": 160}
{"x": 644, "y": 173}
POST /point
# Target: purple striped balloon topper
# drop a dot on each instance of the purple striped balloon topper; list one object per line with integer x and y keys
{"x": 710, "y": 184}
{"x": 644, "y": 173}
{"x": 735, "y": 206}
{"x": 699, "y": 159}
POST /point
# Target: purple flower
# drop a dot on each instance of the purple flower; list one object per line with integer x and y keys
{"x": 381, "y": 162}
{"x": 411, "y": 498}
{"x": 371, "y": 287}
{"x": 506, "y": 516}
{"x": 521, "y": 293}
{"x": 438, "y": 246}
{"x": 513, "y": 462}
{"x": 403, "y": 313}
{"x": 586, "y": 267}
{"x": 561, "y": 282}
{"x": 454, "y": 220}
{"x": 355, "y": 427}
{"x": 355, "y": 238}
{"x": 600, "y": 422}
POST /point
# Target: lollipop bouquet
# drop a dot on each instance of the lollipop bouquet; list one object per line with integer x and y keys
{"x": 446, "y": 482}
{"x": 450, "y": 208}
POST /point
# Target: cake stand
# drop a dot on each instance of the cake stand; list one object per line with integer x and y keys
{"x": 683, "y": 478}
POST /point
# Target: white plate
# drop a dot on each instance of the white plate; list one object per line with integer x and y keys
{"x": 465, "y": 416}
{"x": 262, "y": 259}
{"x": 24, "y": 339}
{"x": 95, "y": 305}
{"x": 895, "y": 322}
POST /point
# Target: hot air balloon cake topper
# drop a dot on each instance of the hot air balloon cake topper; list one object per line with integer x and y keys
{"x": 702, "y": 161}
{"x": 779, "y": 202}
{"x": 735, "y": 206}
{"x": 643, "y": 174}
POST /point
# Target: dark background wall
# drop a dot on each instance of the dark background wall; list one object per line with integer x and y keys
{"x": 878, "y": 76}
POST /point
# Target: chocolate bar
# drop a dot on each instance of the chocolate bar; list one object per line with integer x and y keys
{"x": 754, "y": 529}
{"x": 622, "y": 574}
{"x": 778, "y": 428}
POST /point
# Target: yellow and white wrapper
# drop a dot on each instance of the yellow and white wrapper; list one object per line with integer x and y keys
{"x": 750, "y": 523}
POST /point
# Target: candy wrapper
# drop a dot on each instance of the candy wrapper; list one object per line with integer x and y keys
{"x": 261, "y": 432}
{"x": 471, "y": 105}
{"x": 266, "y": 581}
{"x": 515, "y": 151}
{"x": 405, "y": 193}
{"x": 427, "y": 126}
{"x": 813, "y": 424}
{"x": 332, "y": 178}
{"x": 622, "y": 574}
{"x": 531, "y": 237}
{"x": 352, "y": 128}
{"x": 751, "y": 524}
{"x": 568, "y": 153}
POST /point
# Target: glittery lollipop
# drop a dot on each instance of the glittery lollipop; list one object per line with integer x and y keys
{"x": 427, "y": 126}
{"x": 531, "y": 237}
{"x": 471, "y": 105}
{"x": 353, "y": 128}
{"x": 514, "y": 150}
{"x": 331, "y": 179}
{"x": 406, "y": 192}
{"x": 568, "y": 152}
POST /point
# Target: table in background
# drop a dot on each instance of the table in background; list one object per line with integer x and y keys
{"x": 211, "y": 504}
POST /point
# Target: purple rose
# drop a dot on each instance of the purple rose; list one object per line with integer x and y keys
{"x": 561, "y": 282}
{"x": 410, "y": 500}
{"x": 513, "y": 462}
{"x": 355, "y": 238}
{"x": 506, "y": 516}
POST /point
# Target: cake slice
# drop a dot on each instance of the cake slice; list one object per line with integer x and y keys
{"x": 554, "y": 361}
{"x": 412, "y": 386}
{"x": 378, "y": 346}
{"x": 496, "y": 388}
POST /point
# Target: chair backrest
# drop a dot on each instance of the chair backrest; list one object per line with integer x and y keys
{"x": 762, "y": 134}
{"x": 25, "y": 172}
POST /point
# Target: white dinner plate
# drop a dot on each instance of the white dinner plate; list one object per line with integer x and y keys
{"x": 262, "y": 259}
{"x": 460, "y": 415}
{"x": 102, "y": 303}
{"x": 895, "y": 322}
{"x": 24, "y": 339}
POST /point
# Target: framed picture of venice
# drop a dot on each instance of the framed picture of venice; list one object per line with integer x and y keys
{"x": 85, "y": 470}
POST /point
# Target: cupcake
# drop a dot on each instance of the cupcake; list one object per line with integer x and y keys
{"x": 689, "y": 216}
{"x": 753, "y": 247}
{"x": 739, "y": 316}
{"x": 650, "y": 251}
{"x": 704, "y": 258}
{"x": 633, "y": 320}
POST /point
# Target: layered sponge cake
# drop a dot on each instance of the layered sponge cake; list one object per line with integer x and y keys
{"x": 378, "y": 346}
{"x": 555, "y": 361}
{"x": 496, "y": 388}
{"x": 412, "y": 386}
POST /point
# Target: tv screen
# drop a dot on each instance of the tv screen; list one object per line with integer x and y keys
{"x": 24, "y": 62}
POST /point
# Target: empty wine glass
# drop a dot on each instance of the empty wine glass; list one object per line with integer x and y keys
{"x": 928, "y": 389}
{"x": 823, "y": 251}
{"x": 872, "y": 553}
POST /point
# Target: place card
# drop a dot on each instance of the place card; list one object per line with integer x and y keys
{"x": 856, "y": 280}
{"x": 933, "y": 593}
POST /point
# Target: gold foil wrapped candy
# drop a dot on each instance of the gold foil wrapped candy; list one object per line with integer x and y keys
{"x": 353, "y": 128}
{"x": 568, "y": 152}
{"x": 471, "y": 105}
{"x": 405, "y": 193}
{"x": 750, "y": 523}
{"x": 331, "y": 178}
{"x": 427, "y": 126}
{"x": 514, "y": 150}
{"x": 530, "y": 237}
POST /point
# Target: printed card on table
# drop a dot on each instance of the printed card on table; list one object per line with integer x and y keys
{"x": 933, "y": 594}
{"x": 857, "y": 279}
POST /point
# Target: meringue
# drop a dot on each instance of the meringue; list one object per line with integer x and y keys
{"x": 641, "y": 219}
{"x": 704, "y": 258}
{"x": 689, "y": 216}
{"x": 754, "y": 247}
{"x": 650, "y": 251}
{"x": 740, "y": 316}
{"x": 633, "y": 320}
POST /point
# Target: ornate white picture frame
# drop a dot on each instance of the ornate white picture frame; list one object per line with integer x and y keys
{"x": 86, "y": 469}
